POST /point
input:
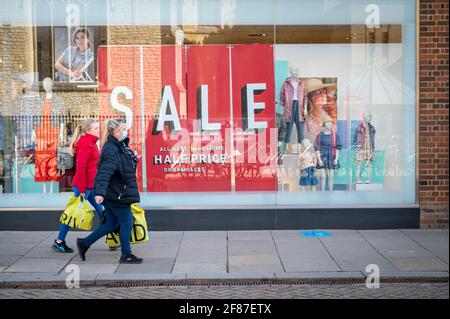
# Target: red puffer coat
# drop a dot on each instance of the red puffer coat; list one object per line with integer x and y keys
{"x": 86, "y": 156}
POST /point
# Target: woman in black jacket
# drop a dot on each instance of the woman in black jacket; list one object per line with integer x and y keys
{"x": 116, "y": 188}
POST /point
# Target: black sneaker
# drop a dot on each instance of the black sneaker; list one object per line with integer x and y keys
{"x": 82, "y": 248}
{"x": 61, "y": 247}
{"x": 130, "y": 259}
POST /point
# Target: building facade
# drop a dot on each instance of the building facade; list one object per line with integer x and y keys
{"x": 244, "y": 114}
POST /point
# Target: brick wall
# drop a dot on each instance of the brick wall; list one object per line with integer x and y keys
{"x": 433, "y": 113}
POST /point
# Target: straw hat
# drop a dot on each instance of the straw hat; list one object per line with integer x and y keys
{"x": 316, "y": 84}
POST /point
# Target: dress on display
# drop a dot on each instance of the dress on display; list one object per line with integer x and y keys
{"x": 327, "y": 145}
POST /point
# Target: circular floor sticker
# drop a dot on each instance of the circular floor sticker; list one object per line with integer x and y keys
{"x": 314, "y": 233}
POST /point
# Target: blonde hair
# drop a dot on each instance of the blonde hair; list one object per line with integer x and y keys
{"x": 81, "y": 129}
{"x": 110, "y": 127}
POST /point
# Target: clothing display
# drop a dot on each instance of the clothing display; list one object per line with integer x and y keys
{"x": 46, "y": 168}
{"x": 364, "y": 142}
{"x": 308, "y": 177}
{"x": 308, "y": 162}
{"x": 327, "y": 145}
{"x": 293, "y": 96}
{"x": 298, "y": 123}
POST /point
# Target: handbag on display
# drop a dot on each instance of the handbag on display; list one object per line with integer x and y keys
{"x": 63, "y": 158}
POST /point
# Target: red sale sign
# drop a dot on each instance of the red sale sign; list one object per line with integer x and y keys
{"x": 201, "y": 117}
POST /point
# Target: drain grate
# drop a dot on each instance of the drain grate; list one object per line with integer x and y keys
{"x": 212, "y": 282}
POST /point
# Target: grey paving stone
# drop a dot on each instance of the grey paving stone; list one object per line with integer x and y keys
{"x": 245, "y": 268}
{"x": 413, "y": 274}
{"x": 418, "y": 264}
{"x": 283, "y": 236}
{"x": 354, "y": 253}
{"x": 2, "y": 268}
{"x": 22, "y": 237}
{"x": 47, "y": 252}
{"x": 434, "y": 240}
{"x": 210, "y": 235}
{"x": 150, "y": 265}
{"x": 15, "y": 249}
{"x": 320, "y": 275}
{"x": 256, "y": 235}
{"x": 225, "y": 276}
{"x": 158, "y": 250}
{"x": 37, "y": 265}
{"x": 36, "y": 277}
{"x": 164, "y": 237}
{"x": 95, "y": 269}
{"x": 394, "y": 243}
{"x": 186, "y": 267}
{"x": 6, "y": 261}
{"x": 254, "y": 247}
{"x": 140, "y": 276}
{"x": 253, "y": 260}
{"x": 113, "y": 258}
{"x": 212, "y": 251}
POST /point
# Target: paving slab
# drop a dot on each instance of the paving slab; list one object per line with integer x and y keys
{"x": 354, "y": 253}
{"x": 394, "y": 243}
{"x": 37, "y": 265}
{"x": 185, "y": 267}
{"x": 164, "y": 237}
{"x": 96, "y": 269}
{"x": 418, "y": 264}
{"x": 156, "y": 250}
{"x": 6, "y": 261}
{"x": 15, "y": 249}
{"x": 229, "y": 276}
{"x": 305, "y": 254}
{"x": 253, "y": 247}
{"x": 434, "y": 240}
{"x": 320, "y": 275}
{"x": 150, "y": 265}
{"x": 140, "y": 276}
{"x": 256, "y": 235}
{"x": 22, "y": 237}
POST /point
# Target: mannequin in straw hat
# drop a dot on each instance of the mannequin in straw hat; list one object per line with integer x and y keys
{"x": 320, "y": 108}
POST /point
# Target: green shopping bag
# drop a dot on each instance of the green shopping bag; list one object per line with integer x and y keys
{"x": 139, "y": 232}
{"x": 78, "y": 213}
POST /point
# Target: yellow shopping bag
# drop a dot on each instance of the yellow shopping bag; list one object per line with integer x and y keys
{"x": 78, "y": 214}
{"x": 139, "y": 232}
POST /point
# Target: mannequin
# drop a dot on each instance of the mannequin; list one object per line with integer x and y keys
{"x": 364, "y": 141}
{"x": 327, "y": 146}
{"x": 48, "y": 85}
{"x": 307, "y": 162}
{"x": 27, "y": 107}
{"x": 293, "y": 96}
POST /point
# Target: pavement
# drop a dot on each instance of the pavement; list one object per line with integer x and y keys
{"x": 181, "y": 258}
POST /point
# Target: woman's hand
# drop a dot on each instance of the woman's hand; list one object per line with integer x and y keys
{"x": 99, "y": 199}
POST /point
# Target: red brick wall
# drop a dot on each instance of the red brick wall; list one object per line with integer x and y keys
{"x": 433, "y": 112}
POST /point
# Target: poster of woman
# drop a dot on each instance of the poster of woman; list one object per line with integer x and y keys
{"x": 74, "y": 55}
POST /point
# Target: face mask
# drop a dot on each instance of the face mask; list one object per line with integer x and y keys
{"x": 124, "y": 135}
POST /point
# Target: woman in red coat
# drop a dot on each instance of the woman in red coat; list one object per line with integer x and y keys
{"x": 85, "y": 150}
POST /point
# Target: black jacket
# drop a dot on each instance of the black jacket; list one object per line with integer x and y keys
{"x": 116, "y": 176}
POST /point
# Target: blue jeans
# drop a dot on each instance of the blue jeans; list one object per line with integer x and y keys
{"x": 297, "y": 122}
{"x": 115, "y": 217}
{"x": 89, "y": 195}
